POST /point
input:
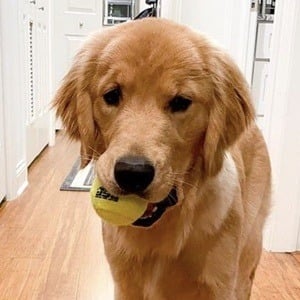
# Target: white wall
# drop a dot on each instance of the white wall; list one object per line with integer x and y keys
{"x": 282, "y": 128}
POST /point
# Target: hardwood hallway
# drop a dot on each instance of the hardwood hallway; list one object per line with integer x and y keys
{"x": 51, "y": 246}
{"x": 50, "y": 241}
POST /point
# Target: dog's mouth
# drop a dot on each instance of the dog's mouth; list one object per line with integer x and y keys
{"x": 155, "y": 211}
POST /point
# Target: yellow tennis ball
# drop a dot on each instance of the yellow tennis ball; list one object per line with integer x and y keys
{"x": 120, "y": 211}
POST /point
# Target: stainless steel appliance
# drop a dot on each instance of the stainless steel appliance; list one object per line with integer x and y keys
{"x": 118, "y": 11}
{"x": 266, "y": 9}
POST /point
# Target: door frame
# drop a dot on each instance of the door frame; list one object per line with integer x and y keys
{"x": 282, "y": 232}
{"x": 52, "y": 129}
{"x": 283, "y": 227}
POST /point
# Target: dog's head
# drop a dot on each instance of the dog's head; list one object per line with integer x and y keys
{"x": 150, "y": 100}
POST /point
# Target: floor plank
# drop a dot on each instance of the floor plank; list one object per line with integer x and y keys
{"x": 277, "y": 277}
{"x": 297, "y": 256}
{"x": 51, "y": 245}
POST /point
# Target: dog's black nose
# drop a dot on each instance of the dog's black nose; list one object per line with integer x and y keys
{"x": 133, "y": 173}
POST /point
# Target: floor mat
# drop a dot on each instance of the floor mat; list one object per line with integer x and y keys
{"x": 79, "y": 179}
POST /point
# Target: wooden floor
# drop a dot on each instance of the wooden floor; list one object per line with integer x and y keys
{"x": 51, "y": 248}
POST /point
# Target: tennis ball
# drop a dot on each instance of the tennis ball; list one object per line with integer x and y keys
{"x": 120, "y": 211}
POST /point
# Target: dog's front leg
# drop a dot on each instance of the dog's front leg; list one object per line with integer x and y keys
{"x": 125, "y": 270}
{"x": 127, "y": 291}
{"x": 221, "y": 268}
{"x": 218, "y": 289}
{"x": 127, "y": 279}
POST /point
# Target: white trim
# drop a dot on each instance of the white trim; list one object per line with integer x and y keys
{"x": 51, "y": 64}
{"x": 250, "y": 46}
{"x": 298, "y": 239}
{"x": 21, "y": 166}
{"x": 283, "y": 226}
{"x": 22, "y": 188}
{"x": 52, "y": 129}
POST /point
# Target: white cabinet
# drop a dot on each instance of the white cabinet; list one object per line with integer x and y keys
{"x": 36, "y": 84}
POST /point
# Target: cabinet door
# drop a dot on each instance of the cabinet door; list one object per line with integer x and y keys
{"x": 73, "y": 20}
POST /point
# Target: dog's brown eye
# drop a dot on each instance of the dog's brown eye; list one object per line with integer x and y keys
{"x": 112, "y": 97}
{"x": 179, "y": 104}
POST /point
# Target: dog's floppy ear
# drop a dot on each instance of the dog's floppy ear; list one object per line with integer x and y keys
{"x": 230, "y": 111}
{"x": 74, "y": 106}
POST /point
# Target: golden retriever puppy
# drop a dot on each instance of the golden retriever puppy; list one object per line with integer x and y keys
{"x": 167, "y": 115}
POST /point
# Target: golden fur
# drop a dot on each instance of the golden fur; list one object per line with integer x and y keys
{"x": 209, "y": 244}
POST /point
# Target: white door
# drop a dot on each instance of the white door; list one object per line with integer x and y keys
{"x": 228, "y": 22}
{"x": 35, "y": 18}
{"x": 2, "y": 154}
{"x": 72, "y": 21}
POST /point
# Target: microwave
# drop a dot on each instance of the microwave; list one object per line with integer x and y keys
{"x": 118, "y": 11}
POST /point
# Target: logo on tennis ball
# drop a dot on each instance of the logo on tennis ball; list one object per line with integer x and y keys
{"x": 103, "y": 193}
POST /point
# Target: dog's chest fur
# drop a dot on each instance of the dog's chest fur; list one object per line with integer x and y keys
{"x": 163, "y": 279}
